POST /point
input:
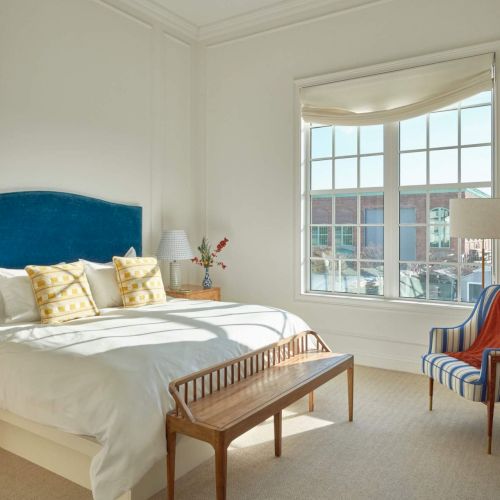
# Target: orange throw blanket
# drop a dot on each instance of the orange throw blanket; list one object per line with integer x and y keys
{"x": 489, "y": 336}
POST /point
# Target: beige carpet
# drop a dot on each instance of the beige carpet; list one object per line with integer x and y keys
{"x": 394, "y": 449}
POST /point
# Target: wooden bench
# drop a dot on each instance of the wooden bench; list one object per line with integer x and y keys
{"x": 222, "y": 402}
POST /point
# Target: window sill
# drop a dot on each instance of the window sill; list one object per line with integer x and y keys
{"x": 398, "y": 305}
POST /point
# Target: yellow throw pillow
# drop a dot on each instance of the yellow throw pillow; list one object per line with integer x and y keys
{"x": 62, "y": 292}
{"x": 139, "y": 280}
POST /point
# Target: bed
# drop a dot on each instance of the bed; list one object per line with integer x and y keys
{"x": 87, "y": 399}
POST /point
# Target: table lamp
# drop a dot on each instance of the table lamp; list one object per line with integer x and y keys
{"x": 475, "y": 218}
{"x": 174, "y": 246}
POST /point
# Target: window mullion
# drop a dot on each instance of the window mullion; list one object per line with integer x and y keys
{"x": 391, "y": 204}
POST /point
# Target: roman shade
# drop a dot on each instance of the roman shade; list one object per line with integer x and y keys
{"x": 397, "y": 95}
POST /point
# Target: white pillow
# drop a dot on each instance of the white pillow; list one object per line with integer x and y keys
{"x": 130, "y": 253}
{"x": 103, "y": 284}
{"x": 18, "y": 298}
{"x": 102, "y": 281}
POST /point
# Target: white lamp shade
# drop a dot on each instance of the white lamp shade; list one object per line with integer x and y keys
{"x": 475, "y": 218}
{"x": 174, "y": 245}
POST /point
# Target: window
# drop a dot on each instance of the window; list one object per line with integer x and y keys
{"x": 347, "y": 208}
{"x": 360, "y": 192}
{"x": 443, "y": 155}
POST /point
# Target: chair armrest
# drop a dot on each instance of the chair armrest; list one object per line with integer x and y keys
{"x": 491, "y": 353}
{"x": 445, "y": 339}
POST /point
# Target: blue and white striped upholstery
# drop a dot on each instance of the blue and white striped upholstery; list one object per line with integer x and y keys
{"x": 455, "y": 374}
{"x": 464, "y": 379}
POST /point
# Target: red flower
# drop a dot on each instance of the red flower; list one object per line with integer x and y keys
{"x": 221, "y": 245}
{"x": 208, "y": 257}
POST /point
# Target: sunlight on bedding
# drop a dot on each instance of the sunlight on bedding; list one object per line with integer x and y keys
{"x": 108, "y": 376}
{"x": 178, "y": 321}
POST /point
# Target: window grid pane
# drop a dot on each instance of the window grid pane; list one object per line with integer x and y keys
{"x": 433, "y": 265}
{"x": 346, "y": 249}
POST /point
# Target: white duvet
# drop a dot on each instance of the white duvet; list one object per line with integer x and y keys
{"x": 108, "y": 376}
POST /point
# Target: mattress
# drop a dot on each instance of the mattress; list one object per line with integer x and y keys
{"x": 108, "y": 376}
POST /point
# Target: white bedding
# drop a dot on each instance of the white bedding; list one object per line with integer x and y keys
{"x": 108, "y": 376}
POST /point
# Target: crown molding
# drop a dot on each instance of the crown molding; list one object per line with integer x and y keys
{"x": 173, "y": 23}
{"x": 280, "y": 15}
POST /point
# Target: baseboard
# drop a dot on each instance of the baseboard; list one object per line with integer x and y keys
{"x": 387, "y": 362}
{"x": 377, "y": 351}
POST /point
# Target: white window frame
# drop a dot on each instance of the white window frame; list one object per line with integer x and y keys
{"x": 391, "y": 297}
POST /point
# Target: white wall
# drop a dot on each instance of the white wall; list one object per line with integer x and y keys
{"x": 95, "y": 99}
{"x": 250, "y": 167}
{"x": 98, "y": 99}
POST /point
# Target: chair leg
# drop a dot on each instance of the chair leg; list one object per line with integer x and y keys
{"x": 491, "y": 410}
{"x": 350, "y": 390}
{"x": 221, "y": 470}
{"x": 311, "y": 401}
{"x": 492, "y": 376}
{"x": 171, "y": 442}
{"x": 431, "y": 392}
{"x": 277, "y": 434}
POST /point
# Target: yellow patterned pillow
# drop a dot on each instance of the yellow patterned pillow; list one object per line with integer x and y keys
{"x": 62, "y": 292}
{"x": 139, "y": 280}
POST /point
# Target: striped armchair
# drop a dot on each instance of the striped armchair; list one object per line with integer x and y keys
{"x": 481, "y": 385}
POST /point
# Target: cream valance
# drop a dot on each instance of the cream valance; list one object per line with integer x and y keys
{"x": 397, "y": 95}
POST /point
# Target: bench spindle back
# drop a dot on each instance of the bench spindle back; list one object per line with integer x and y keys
{"x": 205, "y": 382}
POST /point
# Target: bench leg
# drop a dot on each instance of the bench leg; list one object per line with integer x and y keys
{"x": 171, "y": 442}
{"x": 311, "y": 401}
{"x": 350, "y": 390}
{"x": 277, "y": 434}
{"x": 221, "y": 470}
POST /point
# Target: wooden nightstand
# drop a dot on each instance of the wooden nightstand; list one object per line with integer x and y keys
{"x": 195, "y": 292}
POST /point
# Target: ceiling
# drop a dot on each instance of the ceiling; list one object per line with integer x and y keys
{"x": 203, "y": 12}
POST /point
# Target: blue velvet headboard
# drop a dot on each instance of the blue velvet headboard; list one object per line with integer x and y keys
{"x": 47, "y": 227}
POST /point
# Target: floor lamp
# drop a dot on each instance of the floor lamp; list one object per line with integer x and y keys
{"x": 476, "y": 218}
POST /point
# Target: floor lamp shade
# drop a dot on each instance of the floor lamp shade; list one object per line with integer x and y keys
{"x": 174, "y": 246}
{"x": 475, "y": 218}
